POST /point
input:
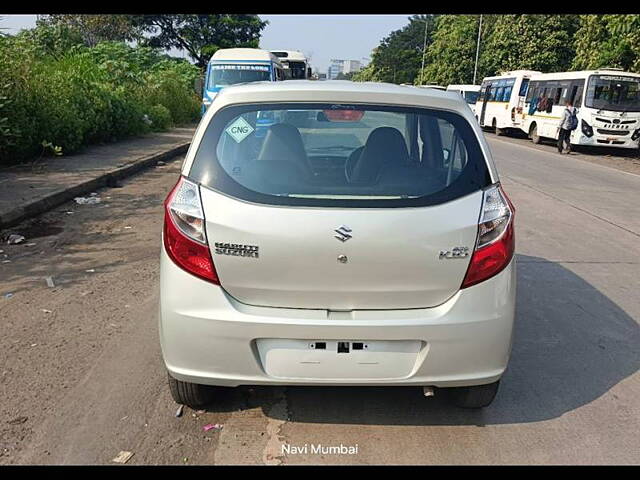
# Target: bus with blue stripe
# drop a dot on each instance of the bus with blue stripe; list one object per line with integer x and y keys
{"x": 230, "y": 66}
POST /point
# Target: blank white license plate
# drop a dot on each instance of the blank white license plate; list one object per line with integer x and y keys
{"x": 338, "y": 359}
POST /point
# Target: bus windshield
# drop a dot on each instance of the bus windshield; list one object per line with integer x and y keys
{"x": 223, "y": 75}
{"x": 613, "y": 92}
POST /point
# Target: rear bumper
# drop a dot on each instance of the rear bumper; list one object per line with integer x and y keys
{"x": 208, "y": 337}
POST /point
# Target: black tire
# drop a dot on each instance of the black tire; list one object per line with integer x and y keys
{"x": 498, "y": 131}
{"x": 533, "y": 134}
{"x": 478, "y": 396}
{"x": 192, "y": 395}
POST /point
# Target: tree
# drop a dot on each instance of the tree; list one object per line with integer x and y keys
{"x": 608, "y": 41}
{"x": 50, "y": 40}
{"x": 366, "y": 74}
{"x": 398, "y": 57}
{"x": 451, "y": 55}
{"x": 532, "y": 42}
{"x": 201, "y": 35}
{"x": 96, "y": 28}
{"x": 345, "y": 76}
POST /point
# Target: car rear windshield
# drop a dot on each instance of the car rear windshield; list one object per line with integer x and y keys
{"x": 338, "y": 155}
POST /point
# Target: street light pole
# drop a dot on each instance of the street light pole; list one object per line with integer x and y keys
{"x": 475, "y": 68}
{"x": 424, "y": 44}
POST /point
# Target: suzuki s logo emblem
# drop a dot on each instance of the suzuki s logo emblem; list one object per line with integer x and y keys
{"x": 343, "y": 233}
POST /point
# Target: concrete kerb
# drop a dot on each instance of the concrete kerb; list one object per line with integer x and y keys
{"x": 52, "y": 200}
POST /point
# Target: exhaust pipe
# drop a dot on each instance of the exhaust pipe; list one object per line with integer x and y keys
{"x": 428, "y": 391}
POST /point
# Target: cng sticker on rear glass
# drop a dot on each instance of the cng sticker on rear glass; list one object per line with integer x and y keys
{"x": 239, "y": 130}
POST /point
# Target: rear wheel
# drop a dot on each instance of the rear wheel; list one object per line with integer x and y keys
{"x": 477, "y": 396}
{"x": 533, "y": 134}
{"x": 191, "y": 394}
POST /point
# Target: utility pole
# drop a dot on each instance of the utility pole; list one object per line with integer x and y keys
{"x": 475, "y": 69}
{"x": 424, "y": 44}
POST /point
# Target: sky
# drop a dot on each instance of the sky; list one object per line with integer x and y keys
{"x": 324, "y": 37}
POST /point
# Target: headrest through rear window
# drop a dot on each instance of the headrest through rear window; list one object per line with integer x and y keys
{"x": 384, "y": 145}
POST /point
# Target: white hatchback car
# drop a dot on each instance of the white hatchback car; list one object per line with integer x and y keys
{"x": 337, "y": 233}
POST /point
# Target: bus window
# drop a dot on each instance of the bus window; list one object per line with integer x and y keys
{"x": 543, "y": 98}
{"x": 573, "y": 91}
{"x": 523, "y": 87}
{"x": 492, "y": 95}
{"x": 532, "y": 91}
{"x": 508, "y": 87}
{"x": 578, "y": 87}
{"x": 506, "y": 96}
{"x": 483, "y": 88}
{"x": 553, "y": 95}
{"x": 564, "y": 92}
{"x": 471, "y": 97}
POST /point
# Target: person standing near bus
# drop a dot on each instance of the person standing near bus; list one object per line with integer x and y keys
{"x": 568, "y": 123}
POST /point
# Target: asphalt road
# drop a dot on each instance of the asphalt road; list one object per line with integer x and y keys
{"x": 82, "y": 379}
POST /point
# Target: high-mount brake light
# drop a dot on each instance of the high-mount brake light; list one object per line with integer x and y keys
{"x": 344, "y": 115}
{"x": 185, "y": 239}
{"x": 496, "y": 239}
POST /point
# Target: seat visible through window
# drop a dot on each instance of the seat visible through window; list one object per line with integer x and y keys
{"x": 384, "y": 145}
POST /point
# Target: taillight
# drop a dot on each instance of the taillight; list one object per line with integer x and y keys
{"x": 185, "y": 239}
{"x": 496, "y": 239}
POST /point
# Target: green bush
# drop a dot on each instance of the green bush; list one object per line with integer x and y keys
{"x": 160, "y": 117}
{"x": 167, "y": 88}
{"x": 55, "y": 90}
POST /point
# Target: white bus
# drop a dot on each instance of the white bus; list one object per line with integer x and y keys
{"x": 608, "y": 103}
{"x": 469, "y": 92}
{"x": 296, "y": 66}
{"x": 501, "y": 101}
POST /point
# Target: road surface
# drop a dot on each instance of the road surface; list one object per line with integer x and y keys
{"x": 82, "y": 379}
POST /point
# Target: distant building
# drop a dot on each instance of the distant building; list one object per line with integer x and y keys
{"x": 342, "y": 66}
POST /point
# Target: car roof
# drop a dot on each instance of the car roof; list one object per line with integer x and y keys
{"x": 340, "y": 91}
